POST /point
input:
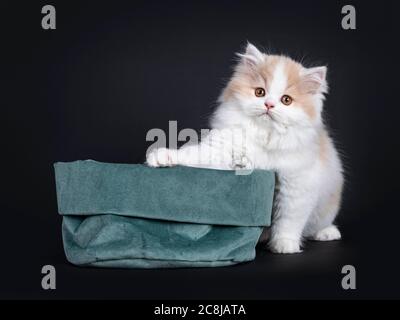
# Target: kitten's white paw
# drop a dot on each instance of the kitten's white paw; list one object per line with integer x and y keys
{"x": 241, "y": 162}
{"x": 161, "y": 157}
{"x": 284, "y": 245}
{"x": 328, "y": 234}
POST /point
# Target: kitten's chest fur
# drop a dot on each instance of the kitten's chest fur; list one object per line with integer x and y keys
{"x": 281, "y": 151}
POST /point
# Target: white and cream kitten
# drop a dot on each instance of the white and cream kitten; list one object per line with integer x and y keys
{"x": 275, "y": 105}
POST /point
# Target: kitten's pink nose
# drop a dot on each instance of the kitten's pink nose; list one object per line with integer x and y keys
{"x": 269, "y": 104}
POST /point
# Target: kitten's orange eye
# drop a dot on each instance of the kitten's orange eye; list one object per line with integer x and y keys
{"x": 286, "y": 100}
{"x": 259, "y": 92}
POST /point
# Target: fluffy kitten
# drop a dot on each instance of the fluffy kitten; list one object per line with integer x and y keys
{"x": 269, "y": 117}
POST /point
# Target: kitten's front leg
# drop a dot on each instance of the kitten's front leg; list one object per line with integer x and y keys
{"x": 201, "y": 155}
{"x": 295, "y": 201}
{"x": 214, "y": 151}
{"x": 191, "y": 155}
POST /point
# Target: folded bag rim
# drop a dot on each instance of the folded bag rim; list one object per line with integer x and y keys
{"x": 238, "y": 200}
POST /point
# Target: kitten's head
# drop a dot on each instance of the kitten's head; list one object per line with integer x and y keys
{"x": 276, "y": 89}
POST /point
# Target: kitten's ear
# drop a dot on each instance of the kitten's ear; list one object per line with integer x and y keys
{"x": 252, "y": 56}
{"x": 314, "y": 80}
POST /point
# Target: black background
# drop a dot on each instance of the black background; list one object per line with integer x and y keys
{"x": 111, "y": 71}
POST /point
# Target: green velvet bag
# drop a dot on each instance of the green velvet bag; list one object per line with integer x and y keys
{"x": 134, "y": 216}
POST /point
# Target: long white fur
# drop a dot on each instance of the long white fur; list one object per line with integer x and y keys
{"x": 287, "y": 141}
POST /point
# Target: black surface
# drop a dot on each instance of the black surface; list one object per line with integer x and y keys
{"x": 112, "y": 70}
